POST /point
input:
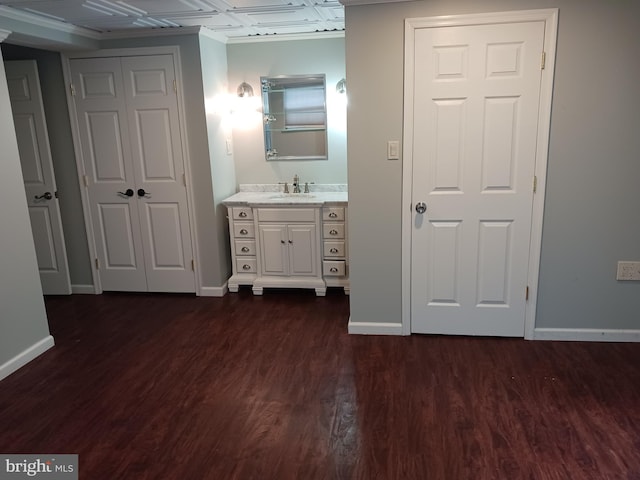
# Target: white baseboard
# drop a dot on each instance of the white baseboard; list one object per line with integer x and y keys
{"x": 586, "y": 335}
{"x": 83, "y": 289}
{"x": 374, "y": 328}
{"x": 214, "y": 291}
{"x": 26, "y": 356}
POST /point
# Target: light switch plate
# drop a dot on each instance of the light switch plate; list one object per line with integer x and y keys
{"x": 393, "y": 150}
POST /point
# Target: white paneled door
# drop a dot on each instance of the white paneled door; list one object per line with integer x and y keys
{"x": 475, "y": 123}
{"x": 128, "y": 121}
{"x": 39, "y": 179}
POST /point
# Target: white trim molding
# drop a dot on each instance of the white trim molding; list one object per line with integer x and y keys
{"x": 586, "y": 335}
{"x": 214, "y": 291}
{"x": 83, "y": 290}
{"x": 374, "y": 328}
{"x": 4, "y": 34}
{"x": 550, "y": 19}
{"x": 26, "y": 356}
{"x": 43, "y": 22}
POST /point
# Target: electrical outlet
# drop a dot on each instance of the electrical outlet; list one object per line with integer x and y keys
{"x": 628, "y": 271}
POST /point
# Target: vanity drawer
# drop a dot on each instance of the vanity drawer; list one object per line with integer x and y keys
{"x": 286, "y": 215}
{"x": 333, "y": 230}
{"x": 334, "y": 249}
{"x": 246, "y": 265}
{"x": 245, "y": 247}
{"x": 242, "y": 213}
{"x": 333, "y": 213}
{"x": 333, "y": 268}
{"x": 241, "y": 229}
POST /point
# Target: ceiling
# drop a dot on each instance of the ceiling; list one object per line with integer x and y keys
{"x": 230, "y": 18}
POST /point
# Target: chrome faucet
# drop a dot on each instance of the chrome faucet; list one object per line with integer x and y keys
{"x": 296, "y": 184}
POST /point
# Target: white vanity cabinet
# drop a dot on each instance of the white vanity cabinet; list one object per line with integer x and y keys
{"x": 335, "y": 255}
{"x": 288, "y": 248}
{"x": 243, "y": 247}
{"x": 282, "y": 241}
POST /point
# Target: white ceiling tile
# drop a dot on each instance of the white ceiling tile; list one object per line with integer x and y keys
{"x": 242, "y": 17}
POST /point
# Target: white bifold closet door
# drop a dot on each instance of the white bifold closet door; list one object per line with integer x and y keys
{"x": 127, "y": 112}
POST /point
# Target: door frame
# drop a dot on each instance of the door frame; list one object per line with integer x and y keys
{"x": 550, "y": 19}
{"x": 174, "y": 51}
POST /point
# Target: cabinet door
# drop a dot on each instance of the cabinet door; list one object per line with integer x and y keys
{"x": 302, "y": 250}
{"x": 273, "y": 249}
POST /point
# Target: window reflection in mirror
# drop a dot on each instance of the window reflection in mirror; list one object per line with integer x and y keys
{"x": 295, "y": 117}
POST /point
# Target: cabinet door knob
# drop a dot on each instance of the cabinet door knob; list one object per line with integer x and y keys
{"x": 333, "y": 232}
{"x": 282, "y": 242}
{"x": 333, "y": 215}
{"x": 243, "y": 231}
{"x": 334, "y": 250}
{"x": 242, "y": 214}
{"x": 333, "y": 269}
{"x": 246, "y": 267}
{"x": 245, "y": 249}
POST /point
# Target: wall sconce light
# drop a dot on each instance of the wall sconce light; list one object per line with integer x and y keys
{"x": 245, "y": 90}
{"x": 341, "y": 86}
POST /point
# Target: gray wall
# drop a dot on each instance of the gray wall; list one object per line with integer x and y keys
{"x": 23, "y": 320}
{"x": 247, "y": 63}
{"x": 214, "y": 78}
{"x": 63, "y": 156}
{"x": 592, "y": 198}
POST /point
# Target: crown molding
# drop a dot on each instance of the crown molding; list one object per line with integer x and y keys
{"x": 282, "y": 37}
{"x": 348, "y": 3}
{"x": 39, "y": 21}
{"x": 4, "y": 34}
{"x": 207, "y": 32}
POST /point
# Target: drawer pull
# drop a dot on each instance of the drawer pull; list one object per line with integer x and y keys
{"x": 282, "y": 242}
{"x": 333, "y": 232}
{"x": 242, "y": 214}
{"x": 333, "y": 270}
{"x": 333, "y": 215}
{"x": 246, "y": 267}
{"x": 245, "y": 249}
{"x": 244, "y": 231}
{"x": 334, "y": 250}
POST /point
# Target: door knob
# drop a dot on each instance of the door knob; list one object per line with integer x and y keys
{"x": 421, "y": 207}
{"x": 142, "y": 193}
{"x": 128, "y": 193}
{"x": 45, "y": 195}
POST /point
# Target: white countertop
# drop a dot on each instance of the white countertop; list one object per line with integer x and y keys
{"x": 313, "y": 199}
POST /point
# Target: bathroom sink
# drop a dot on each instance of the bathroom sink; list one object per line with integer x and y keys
{"x": 291, "y": 196}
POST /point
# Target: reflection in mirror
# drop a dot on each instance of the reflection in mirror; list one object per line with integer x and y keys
{"x": 295, "y": 117}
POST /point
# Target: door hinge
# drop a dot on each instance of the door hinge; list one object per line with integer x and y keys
{"x": 73, "y": 90}
{"x": 86, "y": 180}
{"x": 175, "y": 86}
{"x": 543, "y": 60}
{"x": 97, "y": 264}
{"x": 526, "y": 295}
{"x": 193, "y": 265}
{"x": 535, "y": 184}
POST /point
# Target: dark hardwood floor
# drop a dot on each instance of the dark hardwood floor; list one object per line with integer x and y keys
{"x": 242, "y": 387}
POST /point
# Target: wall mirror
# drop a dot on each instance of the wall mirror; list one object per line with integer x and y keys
{"x": 295, "y": 117}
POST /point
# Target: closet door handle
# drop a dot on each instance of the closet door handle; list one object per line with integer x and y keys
{"x": 45, "y": 196}
{"x": 128, "y": 193}
{"x": 142, "y": 193}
